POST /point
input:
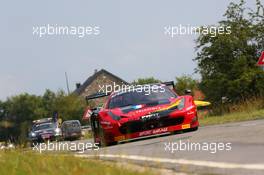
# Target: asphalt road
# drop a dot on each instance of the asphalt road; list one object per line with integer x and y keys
{"x": 240, "y": 150}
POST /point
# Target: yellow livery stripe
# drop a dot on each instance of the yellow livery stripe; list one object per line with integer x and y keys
{"x": 186, "y": 126}
{"x": 176, "y": 103}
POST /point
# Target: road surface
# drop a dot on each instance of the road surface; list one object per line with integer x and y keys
{"x": 241, "y": 150}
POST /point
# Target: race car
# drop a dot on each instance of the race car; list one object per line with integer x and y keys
{"x": 132, "y": 114}
{"x": 44, "y": 129}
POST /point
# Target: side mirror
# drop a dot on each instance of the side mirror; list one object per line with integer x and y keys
{"x": 188, "y": 92}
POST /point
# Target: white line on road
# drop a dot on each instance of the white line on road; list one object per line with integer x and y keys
{"x": 181, "y": 161}
{"x": 249, "y": 124}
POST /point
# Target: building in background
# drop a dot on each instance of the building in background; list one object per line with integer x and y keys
{"x": 94, "y": 83}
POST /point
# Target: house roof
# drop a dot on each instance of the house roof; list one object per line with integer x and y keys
{"x": 93, "y": 77}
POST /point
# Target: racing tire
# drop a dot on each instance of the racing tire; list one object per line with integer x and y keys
{"x": 103, "y": 142}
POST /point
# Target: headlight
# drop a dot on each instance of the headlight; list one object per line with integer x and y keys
{"x": 113, "y": 116}
{"x": 181, "y": 104}
{"x": 57, "y": 130}
{"x": 33, "y": 134}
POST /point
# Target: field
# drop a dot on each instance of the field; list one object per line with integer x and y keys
{"x": 28, "y": 163}
{"x": 232, "y": 117}
{"x": 250, "y": 109}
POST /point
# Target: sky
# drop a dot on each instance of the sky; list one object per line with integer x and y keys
{"x": 131, "y": 43}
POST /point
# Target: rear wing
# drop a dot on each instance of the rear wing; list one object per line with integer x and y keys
{"x": 43, "y": 120}
{"x": 97, "y": 95}
{"x": 170, "y": 84}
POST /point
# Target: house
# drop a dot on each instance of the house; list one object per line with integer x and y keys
{"x": 95, "y": 83}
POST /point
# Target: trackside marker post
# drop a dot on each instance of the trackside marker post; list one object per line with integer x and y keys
{"x": 261, "y": 60}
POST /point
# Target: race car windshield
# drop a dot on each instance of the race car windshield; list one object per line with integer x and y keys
{"x": 136, "y": 98}
{"x": 42, "y": 126}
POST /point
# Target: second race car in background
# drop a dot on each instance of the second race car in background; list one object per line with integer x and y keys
{"x": 44, "y": 129}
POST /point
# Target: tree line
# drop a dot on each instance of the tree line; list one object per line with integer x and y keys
{"x": 18, "y": 112}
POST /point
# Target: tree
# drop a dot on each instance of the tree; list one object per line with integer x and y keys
{"x": 20, "y": 111}
{"x": 3, "y": 128}
{"x": 25, "y": 107}
{"x": 48, "y": 100}
{"x": 148, "y": 80}
{"x": 69, "y": 106}
{"x": 227, "y": 62}
{"x": 185, "y": 82}
{"x": 2, "y": 110}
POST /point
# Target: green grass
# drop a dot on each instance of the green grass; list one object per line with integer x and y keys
{"x": 28, "y": 163}
{"x": 88, "y": 135}
{"x": 232, "y": 117}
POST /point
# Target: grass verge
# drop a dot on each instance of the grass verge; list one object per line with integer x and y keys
{"x": 232, "y": 117}
{"x": 28, "y": 163}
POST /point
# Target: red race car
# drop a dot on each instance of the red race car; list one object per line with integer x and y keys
{"x": 142, "y": 111}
